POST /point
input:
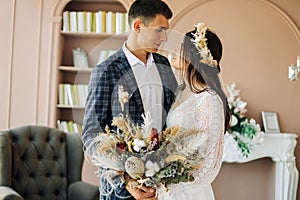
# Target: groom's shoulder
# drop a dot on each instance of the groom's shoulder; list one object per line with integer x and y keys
{"x": 112, "y": 62}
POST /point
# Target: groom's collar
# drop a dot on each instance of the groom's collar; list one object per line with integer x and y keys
{"x": 133, "y": 60}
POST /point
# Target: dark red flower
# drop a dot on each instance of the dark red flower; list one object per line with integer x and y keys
{"x": 154, "y": 137}
{"x": 120, "y": 148}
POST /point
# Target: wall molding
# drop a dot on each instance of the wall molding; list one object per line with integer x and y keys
{"x": 59, "y": 7}
{"x": 276, "y": 9}
{"x": 11, "y": 63}
{"x": 54, "y": 47}
{"x": 38, "y": 63}
{"x": 61, "y": 4}
{"x": 126, "y": 3}
{"x": 286, "y": 18}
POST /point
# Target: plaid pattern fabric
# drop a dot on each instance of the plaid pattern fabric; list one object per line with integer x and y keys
{"x": 103, "y": 104}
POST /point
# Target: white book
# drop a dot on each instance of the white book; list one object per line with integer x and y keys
{"x": 99, "y": 19}
{"x": 66, "y": 98}
{"x": 64, "y": 126}
{"x": 75, "y": 127}
{"x": 119, "y": 23}
{"x": 68, "y": 93}
{"x": 61, "y": 97}
{"x": 127, "y": 27}
{"x": 86, "y": 91}
{"x": 81, "y": 95}
{"x": 73, "y": 21}
{"x": 66, "y": 21}
{"x": 59, "y": 126}
{"x": 89, "y": 21}
{"x": 81, "y": 21}
{"x": 109, "y": 22}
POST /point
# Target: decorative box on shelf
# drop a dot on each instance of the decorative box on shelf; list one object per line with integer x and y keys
{"x": 280, "y": 148}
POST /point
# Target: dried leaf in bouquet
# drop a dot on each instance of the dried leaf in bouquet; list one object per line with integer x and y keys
{"x": 122, "y": 124}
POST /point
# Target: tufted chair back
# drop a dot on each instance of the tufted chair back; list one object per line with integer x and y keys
{"x": 39, "y": 162}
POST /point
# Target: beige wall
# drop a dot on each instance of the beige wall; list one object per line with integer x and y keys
{"x": 25, "y": 62}
{"x": 261, "y": 39}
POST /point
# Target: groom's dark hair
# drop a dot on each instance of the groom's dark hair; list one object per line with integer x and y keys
{"x": 146, "y": 10}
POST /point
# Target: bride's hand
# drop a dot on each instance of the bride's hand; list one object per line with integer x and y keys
{"x": 140, "y": 192}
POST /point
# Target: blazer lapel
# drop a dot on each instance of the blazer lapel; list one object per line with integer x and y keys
{"x": 164, "y": 71}
{"x": 128, "y": 80}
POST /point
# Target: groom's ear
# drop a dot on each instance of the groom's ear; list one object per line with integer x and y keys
{"x": 137, "y": 24}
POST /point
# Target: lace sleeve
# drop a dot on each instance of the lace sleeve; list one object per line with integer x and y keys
{"x": 209, "y": 117}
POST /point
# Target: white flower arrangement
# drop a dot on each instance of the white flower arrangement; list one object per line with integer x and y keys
{"x": 246, "y": 132}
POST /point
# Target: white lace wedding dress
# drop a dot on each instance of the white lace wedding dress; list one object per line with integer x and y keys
{"x": 203, "y": 111}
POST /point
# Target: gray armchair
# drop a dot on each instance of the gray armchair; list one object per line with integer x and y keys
{"x": 42, "y": 163}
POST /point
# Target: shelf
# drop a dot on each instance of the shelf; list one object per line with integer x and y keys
{"x": 93, "y": 35}
{"x": 74, "y": 69}
{"x": 69, "y": 107}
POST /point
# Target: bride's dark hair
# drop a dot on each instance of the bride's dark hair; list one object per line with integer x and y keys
{"x": 197, "y": 72}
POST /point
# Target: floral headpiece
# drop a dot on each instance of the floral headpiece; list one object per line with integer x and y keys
{"x": 201, "y": 44}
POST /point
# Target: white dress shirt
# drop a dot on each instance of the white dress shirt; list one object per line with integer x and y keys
{"x": 149, "y": 84}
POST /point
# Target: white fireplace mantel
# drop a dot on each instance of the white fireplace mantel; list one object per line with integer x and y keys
{"x": 280, "y": 148}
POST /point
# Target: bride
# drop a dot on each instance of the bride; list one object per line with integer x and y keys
{"x": 203, "y": 105}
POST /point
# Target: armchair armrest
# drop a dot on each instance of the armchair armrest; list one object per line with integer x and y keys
{"x": 83, "y": 191}
{"x": 7, "y": 193}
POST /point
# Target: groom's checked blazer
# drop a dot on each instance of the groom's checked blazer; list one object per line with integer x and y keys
{"x": 103, "y": 102}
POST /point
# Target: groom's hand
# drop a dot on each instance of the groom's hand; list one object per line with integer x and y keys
{"x": 140, "y": 192}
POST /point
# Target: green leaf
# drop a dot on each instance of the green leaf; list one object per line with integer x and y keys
{"x": 245, "y": 147}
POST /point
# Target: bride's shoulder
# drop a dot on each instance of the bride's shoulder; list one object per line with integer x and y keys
{"x": 208, "y": 95}
{"x": 208, "y": 92}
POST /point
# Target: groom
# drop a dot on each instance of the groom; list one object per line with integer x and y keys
{"x": 145, "y": 75}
